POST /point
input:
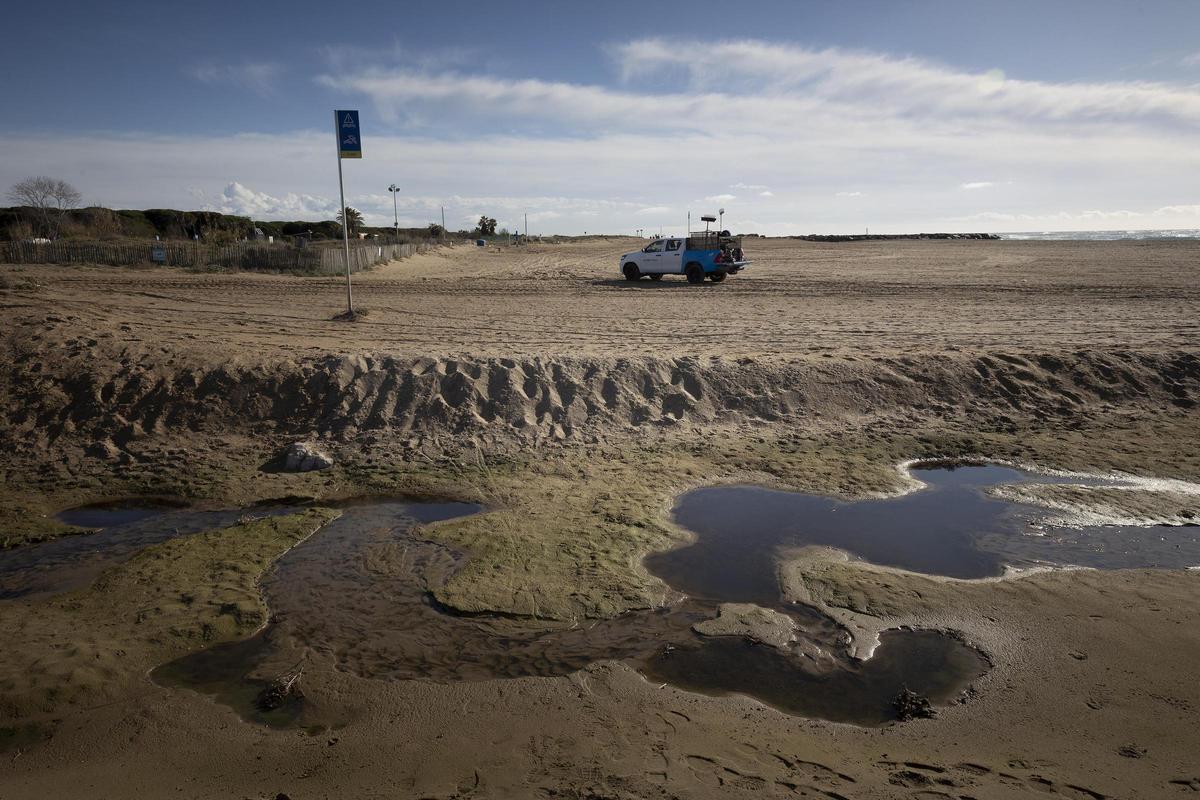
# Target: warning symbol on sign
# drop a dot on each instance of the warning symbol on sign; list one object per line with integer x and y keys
{"x": 349, "y": 138}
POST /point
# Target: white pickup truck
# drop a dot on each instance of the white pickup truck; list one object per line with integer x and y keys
{"x": 699, "y": 256}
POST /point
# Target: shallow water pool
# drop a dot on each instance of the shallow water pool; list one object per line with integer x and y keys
{"x": 358, "y": 593}
{"x": 951, "y": 527}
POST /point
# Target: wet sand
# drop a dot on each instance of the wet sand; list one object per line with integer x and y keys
{"x": 578, "y": 409}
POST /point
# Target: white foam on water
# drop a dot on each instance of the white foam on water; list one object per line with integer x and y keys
{"x": 1071, "y": 515}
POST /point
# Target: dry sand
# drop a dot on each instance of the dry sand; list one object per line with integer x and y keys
{"x": 576, "y": 406}
{"x": 797, "y": 299}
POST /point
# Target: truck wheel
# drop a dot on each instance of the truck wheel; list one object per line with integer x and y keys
{"x": 695, "y": 273}
{"x": 632, "y": 273}
{"x": 717, "y": 277}
{"x": 656, "y": 276}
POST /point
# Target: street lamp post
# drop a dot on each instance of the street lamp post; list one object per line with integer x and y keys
{"x": 395, "y": 213}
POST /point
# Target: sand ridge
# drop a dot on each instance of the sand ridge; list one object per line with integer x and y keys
{"x": 342, "y": 396}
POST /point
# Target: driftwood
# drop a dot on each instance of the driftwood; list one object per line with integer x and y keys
{"x": 280, "y": 690}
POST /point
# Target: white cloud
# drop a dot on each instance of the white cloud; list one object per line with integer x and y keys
{"x": 1192, "y": 60}
{"x": 257, "y": 76}
{"x": 510, "y": 211}
{"x": 906, "y": 84}
{"x": 596, "y": 183}
{"x": 1093, "y": 217}
{"x": 978, "y": 185}
{"x": 244, "y": 201}
{"x": 1187, "y": 210}
{"x": 806, "y": 123}
{"x": 898, "y": 121}
{"x": 349, "y": 57}
{"x": 987, "y": 216}
{"x": 394, "y": 90}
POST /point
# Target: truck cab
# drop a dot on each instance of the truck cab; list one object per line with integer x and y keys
{"x": 698, "y": 256}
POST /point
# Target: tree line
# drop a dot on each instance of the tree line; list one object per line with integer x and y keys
{"x": 49, "y": 208}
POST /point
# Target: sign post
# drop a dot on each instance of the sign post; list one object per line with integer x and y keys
{"x": 349, "y": 144}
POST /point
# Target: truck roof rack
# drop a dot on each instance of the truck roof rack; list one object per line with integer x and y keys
{"x": 711, "y": 240}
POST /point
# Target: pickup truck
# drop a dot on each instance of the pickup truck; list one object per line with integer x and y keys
{"x": 698, "y": 256}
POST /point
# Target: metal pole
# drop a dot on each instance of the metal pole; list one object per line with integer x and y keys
{"x": 443, "y": 220}
{"x": 345, "y": 220}
{"x": 395, "y": 214}
{"x": 527, "y": 227}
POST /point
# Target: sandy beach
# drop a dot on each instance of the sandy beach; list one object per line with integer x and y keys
{"x": 576, "y": 408}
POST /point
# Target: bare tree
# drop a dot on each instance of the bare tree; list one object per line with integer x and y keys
{"x": 50, "y": 198}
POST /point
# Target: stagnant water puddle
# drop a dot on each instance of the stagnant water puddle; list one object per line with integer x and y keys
{"x": 117, "y": 513}
{"x": 121, "y": 527}
{"x": 358, "y": 594}
{"x": 950, "y": 528}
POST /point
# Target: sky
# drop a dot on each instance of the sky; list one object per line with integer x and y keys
{"x": 794, "y": 117}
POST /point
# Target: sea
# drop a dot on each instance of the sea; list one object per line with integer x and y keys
{"x": 1103, "y": 236}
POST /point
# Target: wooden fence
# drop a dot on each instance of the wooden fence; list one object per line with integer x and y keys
{"x": 249, "y": 256}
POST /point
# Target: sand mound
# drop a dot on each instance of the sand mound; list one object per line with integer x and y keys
{"x": 339, "y": 397}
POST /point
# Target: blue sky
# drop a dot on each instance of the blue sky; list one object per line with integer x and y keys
{"x": 794, "y": 116}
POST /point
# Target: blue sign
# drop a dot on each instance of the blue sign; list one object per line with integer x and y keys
{"x": 348, "y": 136}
